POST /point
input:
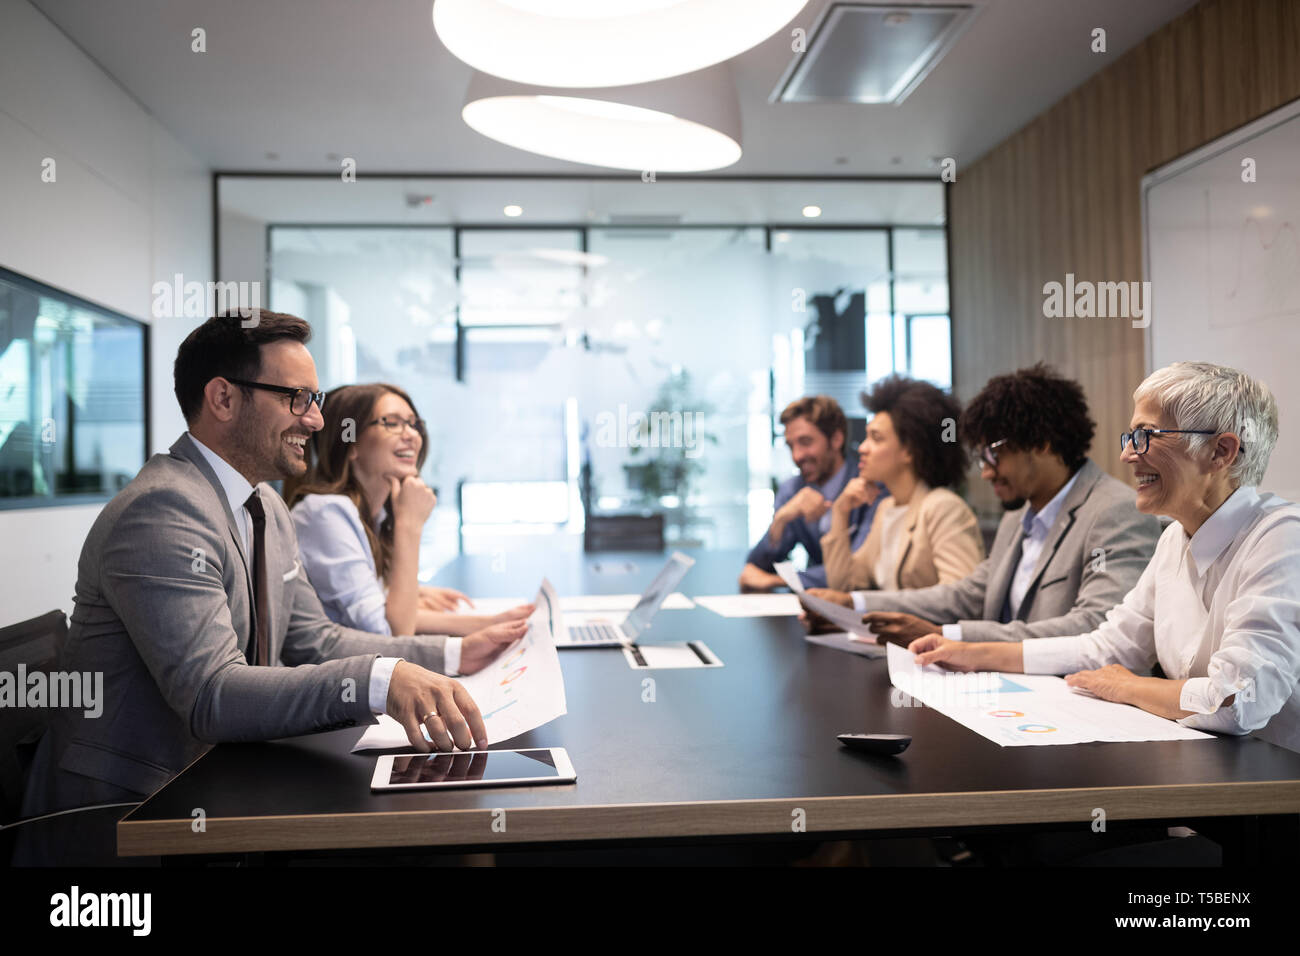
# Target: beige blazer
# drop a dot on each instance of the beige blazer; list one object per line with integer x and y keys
{"x": 941, "y": 544}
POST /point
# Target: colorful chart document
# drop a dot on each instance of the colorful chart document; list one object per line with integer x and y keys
{"x": 522, "y": 689}
{"x": 1027, "y": 710}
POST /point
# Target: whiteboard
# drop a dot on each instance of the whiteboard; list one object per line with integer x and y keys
{"x": 1223, "y": 259}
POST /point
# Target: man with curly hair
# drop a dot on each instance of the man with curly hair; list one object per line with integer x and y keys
{"x": 1070, "y": 546}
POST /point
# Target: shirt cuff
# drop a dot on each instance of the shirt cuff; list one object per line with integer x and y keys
{"x": 1053, "y": 655}
{"x": 859, "y": 600}
{"x": 451, "y": 656}
{"x": 1199, "y": 696}
{"x": 381, "y": 672}
{"x": 952, "y": 632}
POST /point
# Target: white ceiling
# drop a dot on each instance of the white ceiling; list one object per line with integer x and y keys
{"x": 369, "y": 79}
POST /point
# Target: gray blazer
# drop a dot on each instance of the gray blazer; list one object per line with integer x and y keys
{"x": 164, "y": 592}
{"x": 1095, "y": 552}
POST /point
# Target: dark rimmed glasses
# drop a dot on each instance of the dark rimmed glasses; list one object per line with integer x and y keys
{"x": 989, "y": 453}
{"x": 1141, "y": 437}
{"x": 394, "y": 424}
{"x": 300, "y": 400}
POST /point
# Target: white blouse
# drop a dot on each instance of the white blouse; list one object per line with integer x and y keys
{"x": 339, "y": 563}
{"x": 1220, "y": 610}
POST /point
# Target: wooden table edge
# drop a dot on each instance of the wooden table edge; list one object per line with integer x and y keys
{"x": 859, "y": 812}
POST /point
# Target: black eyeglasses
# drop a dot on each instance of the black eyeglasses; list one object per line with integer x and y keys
{"x": 301, "y": 400}
{"x": 1141, "y": 437}
{"x": 394, "y": 423}
{"x": 989, "y": 453}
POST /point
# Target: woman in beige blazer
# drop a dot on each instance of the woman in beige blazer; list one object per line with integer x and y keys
{"x": 923, "y": 533}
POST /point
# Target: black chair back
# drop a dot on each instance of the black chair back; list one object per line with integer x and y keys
{"x": 36, "y": 644}
{"x": 626, "y": 532}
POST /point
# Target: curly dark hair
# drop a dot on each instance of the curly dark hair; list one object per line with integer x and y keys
{"x": 1030, "y": 408}
{"x": 921, "y": 413}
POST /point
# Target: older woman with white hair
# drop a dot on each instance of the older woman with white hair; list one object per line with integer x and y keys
{"x": 1218, "y": 607}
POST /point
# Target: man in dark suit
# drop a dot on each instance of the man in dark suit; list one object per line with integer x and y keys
{"x": 191, "y": 601}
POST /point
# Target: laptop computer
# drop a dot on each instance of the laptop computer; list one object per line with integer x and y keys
{"x": 610, "y": 634}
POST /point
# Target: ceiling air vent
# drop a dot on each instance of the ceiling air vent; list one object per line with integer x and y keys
{"x": 871, "y": 53}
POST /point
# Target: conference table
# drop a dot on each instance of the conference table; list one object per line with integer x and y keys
{"x": 742, "y": 752}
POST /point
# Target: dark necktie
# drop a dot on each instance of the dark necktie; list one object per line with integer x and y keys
{"x": 259, "y": 652}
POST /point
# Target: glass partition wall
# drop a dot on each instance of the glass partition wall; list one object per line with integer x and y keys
{"x": 603, "y": 368}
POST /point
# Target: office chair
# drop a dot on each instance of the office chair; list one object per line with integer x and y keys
{"x": 624, "y": 532}
{"x": 37, "y": 644}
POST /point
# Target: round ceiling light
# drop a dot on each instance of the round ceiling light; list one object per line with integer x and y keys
{"x": 683, "y": 124}
{"x": 594, "y": 43}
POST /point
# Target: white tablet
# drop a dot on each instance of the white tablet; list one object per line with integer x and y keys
{"x": 473, "y": 768}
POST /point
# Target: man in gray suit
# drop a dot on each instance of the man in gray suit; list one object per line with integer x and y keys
{"x": 190, "y": 595}
{"x": 1070, "y": 546}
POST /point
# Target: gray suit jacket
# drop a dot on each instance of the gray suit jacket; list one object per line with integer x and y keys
{"x": 1094, "y": 554}
{"x": 163, "y": 609}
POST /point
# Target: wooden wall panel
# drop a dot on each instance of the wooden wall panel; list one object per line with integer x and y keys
{"x": 1064, "y": 195}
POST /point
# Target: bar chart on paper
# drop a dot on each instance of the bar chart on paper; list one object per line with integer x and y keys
{"x": 1027, "y": 710}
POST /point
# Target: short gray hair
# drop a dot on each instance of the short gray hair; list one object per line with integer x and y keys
{"x": 1201, "y": 395}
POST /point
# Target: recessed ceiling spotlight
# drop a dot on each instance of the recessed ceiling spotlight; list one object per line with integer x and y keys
{"x": 594, "y": 43}
{"x": 513, "y": 211}
{"x": 272, "y": 156}
{"x": 812, "y": 212}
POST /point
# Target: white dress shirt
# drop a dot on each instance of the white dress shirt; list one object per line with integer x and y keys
{"x": 1221, "y": 611}
{"x": 237, "y": 490}
{"x": 1036, "y": 527}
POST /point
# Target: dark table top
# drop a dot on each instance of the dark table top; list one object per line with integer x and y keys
{"x": 748, "y": 748}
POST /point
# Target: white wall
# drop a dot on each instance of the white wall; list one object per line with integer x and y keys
{"x": 130, "y": 206}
